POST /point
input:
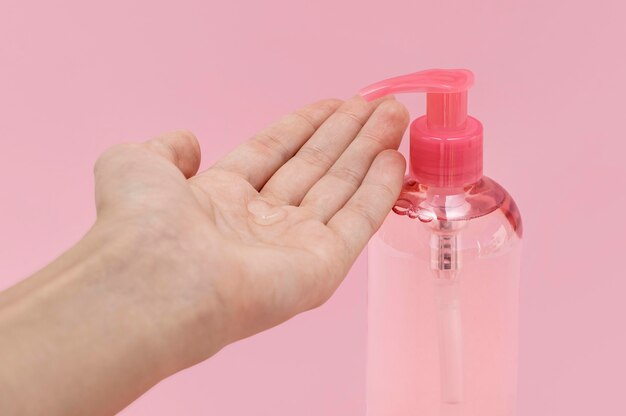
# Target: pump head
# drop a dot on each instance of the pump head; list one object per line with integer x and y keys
{"x": 446, "y": 143}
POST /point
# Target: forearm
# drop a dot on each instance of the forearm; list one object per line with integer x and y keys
{"x": 73, "y": 343}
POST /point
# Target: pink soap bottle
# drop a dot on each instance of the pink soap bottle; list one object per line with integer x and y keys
{"x": 444, "y": 269}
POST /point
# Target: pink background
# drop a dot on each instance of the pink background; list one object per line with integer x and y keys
{"x": 76, "y": 77}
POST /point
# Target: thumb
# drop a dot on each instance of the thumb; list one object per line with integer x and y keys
{"x": 129, "y": 170}
{"x": 181, "y": 148}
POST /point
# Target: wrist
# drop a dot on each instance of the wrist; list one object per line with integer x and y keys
{"x": 150, "y": 272}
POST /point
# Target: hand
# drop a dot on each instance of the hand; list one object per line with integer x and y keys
{"x": 194, "y": 261}
{"x": 314, "y": 206}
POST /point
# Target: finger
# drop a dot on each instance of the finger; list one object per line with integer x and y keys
{"x": 364, "y": 213}
{"x": 382, "y": 131}
{"x": 292, "y": 181}
{"x": 181, "y": 148}
{"x": 257, "y": 159}
{"x": 125, "y": 168}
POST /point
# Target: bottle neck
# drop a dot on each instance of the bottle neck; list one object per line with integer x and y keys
{"x": 445, "y": 197}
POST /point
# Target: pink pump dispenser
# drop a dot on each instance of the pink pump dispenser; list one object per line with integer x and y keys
{"x": 446, "y": 143}
{"x": 444, "y": 269}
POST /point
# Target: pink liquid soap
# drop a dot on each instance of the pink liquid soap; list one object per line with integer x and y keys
{"x": 444, "y": 270}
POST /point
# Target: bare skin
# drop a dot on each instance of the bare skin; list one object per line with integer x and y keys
{"x": 179, "y": 264}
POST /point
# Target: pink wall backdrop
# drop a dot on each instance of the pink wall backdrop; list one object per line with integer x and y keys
{"x": 76, "y": 77}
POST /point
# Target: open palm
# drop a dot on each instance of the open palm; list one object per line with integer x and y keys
{"x": 272, "y": 228}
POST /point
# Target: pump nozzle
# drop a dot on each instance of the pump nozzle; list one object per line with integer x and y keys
{"x": 446, "y": 94}
{"x": 446, "y": 144}
{"x": 430, "y": 80}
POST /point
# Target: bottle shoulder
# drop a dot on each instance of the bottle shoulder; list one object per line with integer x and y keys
{"x": 427, "y": 204}
{"x": 483, "y": 216}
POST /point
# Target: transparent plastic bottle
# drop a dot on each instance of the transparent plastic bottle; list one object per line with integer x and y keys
{"x": 444, "y": 272}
